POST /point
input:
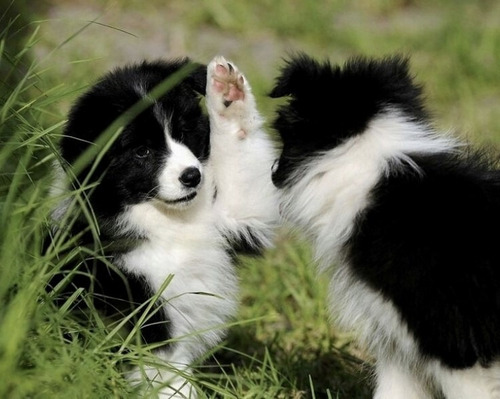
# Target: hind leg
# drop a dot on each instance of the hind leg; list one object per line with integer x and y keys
{"x": 394, "y": 382}
{"x": 476, "y": 382}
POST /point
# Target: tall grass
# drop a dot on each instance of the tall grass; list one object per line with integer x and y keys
{"x": 44, "y": 353}
{"x": 282, "y": 345}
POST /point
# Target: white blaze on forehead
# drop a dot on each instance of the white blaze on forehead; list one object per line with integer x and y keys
{"x": 179, "y": 154}
{"x": 177, "y": 158}
{"x": 158, "y": 110}
{"x": 161, "y": 116}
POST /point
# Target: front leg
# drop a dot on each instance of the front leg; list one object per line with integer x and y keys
{"x": 230, "y": 102}
{"x": 166, "y": 377}
{"x": 241, "y": 156}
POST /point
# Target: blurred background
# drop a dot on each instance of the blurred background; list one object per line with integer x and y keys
{"x": 454, "y": 44}
{"x": 283, "y": 345}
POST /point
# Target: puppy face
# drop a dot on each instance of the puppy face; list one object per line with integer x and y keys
{"x": 159, "y": 155}
{"x": 329, "y": 104}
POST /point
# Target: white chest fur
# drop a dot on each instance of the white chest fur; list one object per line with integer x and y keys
{"x": 202, "y": 293}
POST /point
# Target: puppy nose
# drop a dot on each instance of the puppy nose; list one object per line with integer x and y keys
{"x": 190, "y": 177}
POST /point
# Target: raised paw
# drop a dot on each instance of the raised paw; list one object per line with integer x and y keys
{"x": 226, "y": 81}
{"x": 230, "y": 102}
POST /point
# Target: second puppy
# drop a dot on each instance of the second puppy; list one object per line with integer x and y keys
{"x": 409, "y": 217}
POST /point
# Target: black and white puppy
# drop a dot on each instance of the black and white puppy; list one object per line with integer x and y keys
{"x": 408, "y": 217}
{"x": 173, "y": 196}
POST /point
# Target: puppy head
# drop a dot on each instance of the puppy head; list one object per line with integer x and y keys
{"x": 158, "y": 154}
{"x": 329, "y": 104}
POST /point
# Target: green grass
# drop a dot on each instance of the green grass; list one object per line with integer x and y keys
{"x": 282, "y": 344}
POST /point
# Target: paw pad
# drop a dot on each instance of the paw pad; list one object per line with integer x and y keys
{"x": 229, "y": 82}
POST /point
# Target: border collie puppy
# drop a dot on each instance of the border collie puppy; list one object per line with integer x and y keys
{"x": 409, "y": 218}
{"x": 173, "y": 196}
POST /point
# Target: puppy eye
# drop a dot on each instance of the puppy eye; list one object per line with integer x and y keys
{"x": 142, "y": 152}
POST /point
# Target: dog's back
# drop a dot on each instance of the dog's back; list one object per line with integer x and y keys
{"x": 410, "y": 217}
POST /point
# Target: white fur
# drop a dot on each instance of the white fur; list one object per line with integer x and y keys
{"x": 476, "y": 382}
{"x": 394, "y": 381}
{"x": 202, "y": 294}
{"x": 377, "y": 323}
{"x": 324, "y": 200}
{"x": 241, "y": 157}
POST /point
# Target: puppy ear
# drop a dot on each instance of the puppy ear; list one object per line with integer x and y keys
{"x": 297, "y": 75}
{"x": 198, "y": 78}
{"x": 281, "y": 87}
{"x": 284, "y": 82}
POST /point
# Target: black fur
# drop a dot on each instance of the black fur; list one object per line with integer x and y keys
{"x": 428, "y": 241}
{"x": 127, "y": 175}
{"x": 329, "y": 104}
{"x": 114, "y": 293}
{"x": 122, "y": 183}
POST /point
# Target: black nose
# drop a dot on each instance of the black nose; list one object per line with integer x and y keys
{"x": 190, "y": 177}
